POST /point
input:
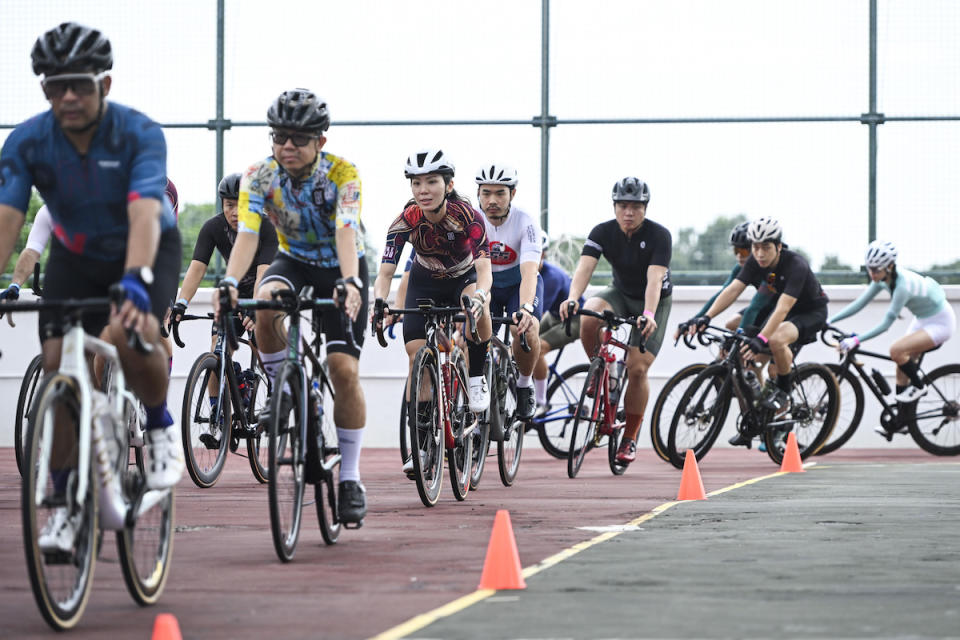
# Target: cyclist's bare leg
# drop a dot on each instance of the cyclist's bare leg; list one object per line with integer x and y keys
{"x": 909, "y": 347}
{"x": 350, "y": 410}
{"x": 271, "y": 336}
{"x": 590, "y": 326}
{"x": 637, "y": 392}
{"x": 734, "y": 322}
{"x": 147, "y": 374}
{"x": 527, "y": 361}
{"x": 779, "y": 343}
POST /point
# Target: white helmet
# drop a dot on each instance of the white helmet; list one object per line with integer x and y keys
{"x": 544, "y": 240}
{"x": 497, "y": 174}
{"x": 880, "y": 254}
{"x": 428, "y": 161}
{"x": 764, "y": 230}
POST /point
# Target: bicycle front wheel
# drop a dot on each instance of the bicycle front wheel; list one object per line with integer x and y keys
{"x": 555, "y": 425}
{"x": 257, "y": 443}
{"x": 699, "y": 416}
{"x": 814, "y": 402}
{"x": 145, "y": 546}
{"x": 424, "y": 426}
{"x": 60, "y": 578}
{"x": 666, "y": 405}
{"x": 510, "y": 447}
{"x": 463, "y": 423}
{"x": 286, "y": 474}
{"x": 587, "y": 416}
{"x": 850, "y": 411}
{"x": 28, "y": 389}
{"x": 326, "y": 491}
{"x": 205, "y": 430}
{"x": 935, "y": 425}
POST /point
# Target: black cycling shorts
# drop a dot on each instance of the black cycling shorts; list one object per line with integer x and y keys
{"x": 68, "y": 275}
{"x": 443, "y": 292}
{"x": 297, "y": 275}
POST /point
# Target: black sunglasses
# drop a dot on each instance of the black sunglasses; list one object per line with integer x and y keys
{"x": 82, "y": 84}
{"x": 299, "y": 139}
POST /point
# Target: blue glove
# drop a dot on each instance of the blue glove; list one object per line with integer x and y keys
{"x": 136, "y": 292}
{"x": 11, "y": 293}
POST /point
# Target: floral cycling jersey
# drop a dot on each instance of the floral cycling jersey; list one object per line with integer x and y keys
{"x": 306, "y": 213}
{"x": 88, "y": 194}
{"x": 446, "y": 249}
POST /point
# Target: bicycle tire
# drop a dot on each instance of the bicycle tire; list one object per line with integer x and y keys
{"x": 28, "y": 388}
{"x": 585, "y": 420}
{"x": 428, "y": 463}
{"x": 404, "y": 433}
{"x": 204, "y": 464}
{"x": 60, "y": 582}
{"x": 145, "y": 546}
{"x": 326, "y": 492}
{"x": 815, "y": 409}
{"x": 510, "y": 447}
{"x": 613, "y": 443}
{"x": 700, "y": 414}
{"x": 257, "y": 444}
{"x": 850, "y": 412}
{"x": 460, "y": 457}
{"x": 667, "y": 401}
{"x": 481, "y": 434}
{"x": 928, "y": 428}
{"x": 554, "y": 433}
{"x": 286, "y": 475}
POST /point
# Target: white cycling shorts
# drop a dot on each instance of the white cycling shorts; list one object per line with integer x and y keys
{"x": 940, "y": 326}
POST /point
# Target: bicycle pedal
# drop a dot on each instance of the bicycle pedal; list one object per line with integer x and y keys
{"x": 352, "y": 525}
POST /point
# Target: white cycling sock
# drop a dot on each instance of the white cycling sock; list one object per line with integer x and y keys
{"x": 541, "y": 390}
{"x": 271, "y": 364}
{"x": 523, "y": 381}
{"x": 351, "y": 442}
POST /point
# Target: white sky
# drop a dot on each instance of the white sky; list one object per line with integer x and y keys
{"x": 609, "y": 58}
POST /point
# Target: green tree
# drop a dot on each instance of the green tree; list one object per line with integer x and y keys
{"x": 833, "y": 263}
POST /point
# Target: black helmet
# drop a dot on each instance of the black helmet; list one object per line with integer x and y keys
{"x": 299, "y": 109}
{"x": 631, "y": 190}
{"x": 738, "y": 237}
{"x": 71, "y": 47}
{"x": 230, "y": 187}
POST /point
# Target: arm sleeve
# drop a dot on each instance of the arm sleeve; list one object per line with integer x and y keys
{"x": 900, "y": 296}
{"x": 869, "y": 294}
{"x": 148, "y": 174}
{"x": 477, "y": 232}
{"x": 267, "y": 249}
{"x": 663, "y": 249}
{"x": 15, "y": 179}
{"x": 348, "y": 204}
{"x": 730, "y": 278}
{"x": 530, "y": 250}
{"x": 41, "y": 230}
{"x": 254, "y": 184}
{"x": 203, "y": 250}
{"x": 397, "y": 236}
{"x": 593, "y": 246}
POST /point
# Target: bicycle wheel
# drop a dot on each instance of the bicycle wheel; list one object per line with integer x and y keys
{"x": 588, "y": 415}
{"x": 936, "y": 427}
{"x": 145, "y": 546}
{"x": 463, "y": 423}
{"x": 699, "y": 416}
{"x": 426, "y": 438}
{"x": 285, "y": 476}
{"x": 28, "y": 389}
{"x": 481, "y": 434}
{"x": 613, "y": 443}
{"x": 326, "y": 491}
{"x": 850, "y": 411}
{"x": 555, "y": 425}
{"x": 510, "y": 448}
{"x": 404, "y": 433}
{"x": 60, "y": 580}
{"x": 257, "y": 454}
{"x": 814, "y": 402}
{"x": 666, "y": 405}
{"x": 205, "y": 435}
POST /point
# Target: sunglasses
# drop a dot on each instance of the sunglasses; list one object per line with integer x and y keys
{"x": 299, "y": 139}
{"x": 741, "y": 251}
{"x": 82, "y": 84}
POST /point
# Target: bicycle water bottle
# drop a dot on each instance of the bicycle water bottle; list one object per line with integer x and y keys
{"x": 316, "y": 406}
{"x": 616, "y": 374}
{"x": 113, "y": 508}
{"x": 753, "y": 380}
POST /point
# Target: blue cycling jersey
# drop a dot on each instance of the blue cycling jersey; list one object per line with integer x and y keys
{"x": 88, "y": 194}
{"x": 556, "y": 287}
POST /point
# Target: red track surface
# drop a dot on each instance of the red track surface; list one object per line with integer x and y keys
{"x": 226, "y": 581}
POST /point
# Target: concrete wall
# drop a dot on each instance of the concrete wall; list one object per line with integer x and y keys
{"x": 383, "y": 370}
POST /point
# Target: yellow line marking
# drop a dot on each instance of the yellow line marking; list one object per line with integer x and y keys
{"x": 419, "y": 622}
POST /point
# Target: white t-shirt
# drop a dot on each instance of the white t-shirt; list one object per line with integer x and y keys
{"x": 41, "y": 230}
{"x": 515, "y": 241}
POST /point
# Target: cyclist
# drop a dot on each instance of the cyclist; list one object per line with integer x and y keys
{"x": 313, "y": 200}
{"x": 452, "y": 260}
{"x": 220, "y": 232}
{"x": 638, "y": 251}
{"x": 100, "y": 167}
{"x": 515, "y": 248}
{"x": 800, "y": 311}
{"x": 933, "y": 324}
{"x": 556, "y": 284}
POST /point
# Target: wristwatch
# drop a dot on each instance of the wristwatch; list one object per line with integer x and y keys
{"x": 528, "y": 308}
{"x": 144, "y": 274}
{"x": 354, "y": 280}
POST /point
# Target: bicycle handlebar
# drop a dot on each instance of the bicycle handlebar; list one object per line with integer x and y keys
{"x": 514, "y": 320}
{"x": 609, "y": 318}
{"x": 832, "y": 333}
{"x": 426, "y": 308}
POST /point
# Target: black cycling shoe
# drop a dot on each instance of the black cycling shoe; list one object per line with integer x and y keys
{"x": 777, "y": 401}
{"x": 741, "y": 439}
{"x": 352, "y": 502}
{"x": 209, "y": 441}
{"x": 526, "y": 403}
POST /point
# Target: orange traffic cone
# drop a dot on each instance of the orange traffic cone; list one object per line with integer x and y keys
{"x": 691, "y": 486}
{"x": 165, "y": 627}
{"x": 791, "y": 456}
{"x": 502, "y": 570}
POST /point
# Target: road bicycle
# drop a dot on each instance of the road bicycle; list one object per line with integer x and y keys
{"x": 302, "y": 444}
{"x": 933, "y": 421}
{"x": 438, "y": 411}
{"x": 666, "y": 404}
{"x": 28, "y": 387}
{"x": 596, "y": 416}
{"x": 76, "y": 429}
{"x": 554, "y": 422}
{"x": 702, "y": 410}
{"x": 222, "y": 405}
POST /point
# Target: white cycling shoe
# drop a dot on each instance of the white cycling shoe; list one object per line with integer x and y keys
{"x": 60, "y": 532}
{"x": 164, "y": 457}
{"x": 479, "y": 394}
